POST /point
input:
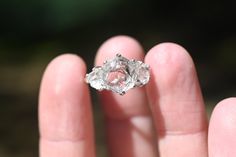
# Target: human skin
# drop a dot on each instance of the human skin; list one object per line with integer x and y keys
{"x": 165, "y": 118}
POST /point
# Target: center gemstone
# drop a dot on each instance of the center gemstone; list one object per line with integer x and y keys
{"x": 116, "y": 78}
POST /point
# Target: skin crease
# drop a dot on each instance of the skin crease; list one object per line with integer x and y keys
{"x": 165, "y": 118}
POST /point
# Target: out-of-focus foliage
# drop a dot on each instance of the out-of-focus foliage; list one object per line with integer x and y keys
{"x": 53, "y": 15}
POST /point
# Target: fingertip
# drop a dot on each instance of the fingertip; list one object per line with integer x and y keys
{"x": 224, "y": 115}
{"x": 166, "y": 53}
{"x": 225, "y": 104}
{"x": 67, "y": 61}
{"x": 172, "y": 69}
{"x": 171, "y": 61}
{"x": 63, "y": 70}
{"x": 222, "y": 128}
{"x": 122, "y": 44}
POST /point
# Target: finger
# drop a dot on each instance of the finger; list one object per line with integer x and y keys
{"x": 222, "y": 129}
{"x": 64, "y": 110}
{"x": 176, "y": 102}
{"x": 128, "y": 121}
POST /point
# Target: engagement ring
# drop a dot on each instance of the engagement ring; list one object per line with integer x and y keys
{"x": 119, "y": 75}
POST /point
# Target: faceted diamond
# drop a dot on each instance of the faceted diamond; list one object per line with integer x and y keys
{"x": 95, "y": 78}
{"x": 143, "y": 74}
{"x": 117, "y": 78}
{"x": 119, "y": 75}
{"x": 119, "y": 81}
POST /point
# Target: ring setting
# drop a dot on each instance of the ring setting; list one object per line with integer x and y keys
{"x": 119, "y": 75}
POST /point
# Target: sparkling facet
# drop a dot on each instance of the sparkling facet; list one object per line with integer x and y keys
{"x": 119, "y": 75}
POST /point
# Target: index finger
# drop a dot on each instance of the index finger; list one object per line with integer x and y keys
{"x": 65, "y": 119}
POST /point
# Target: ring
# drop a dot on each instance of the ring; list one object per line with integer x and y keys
{"x": 119, "y": 75}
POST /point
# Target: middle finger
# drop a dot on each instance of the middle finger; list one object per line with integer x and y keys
{"x": 128, "y": 122}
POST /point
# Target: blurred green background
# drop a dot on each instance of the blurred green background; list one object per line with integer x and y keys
{"x": 34, "y": 32}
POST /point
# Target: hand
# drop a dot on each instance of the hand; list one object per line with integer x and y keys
{"x": 174, "y": 124}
